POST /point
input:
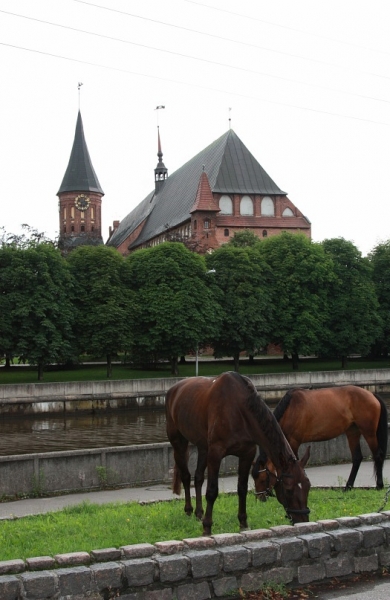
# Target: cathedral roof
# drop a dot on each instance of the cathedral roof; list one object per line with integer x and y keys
{"x": 80, "y": 175}
{"x": 230, "y": 169}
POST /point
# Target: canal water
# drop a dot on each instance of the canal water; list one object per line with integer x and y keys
{"x": 24, "y": 435}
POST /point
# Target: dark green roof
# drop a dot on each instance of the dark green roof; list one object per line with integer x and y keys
{"x": 230, "y": 168}
{"x": 80, "y": 175}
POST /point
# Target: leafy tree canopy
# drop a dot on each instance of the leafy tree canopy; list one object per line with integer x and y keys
{"x": 175, "y": 307}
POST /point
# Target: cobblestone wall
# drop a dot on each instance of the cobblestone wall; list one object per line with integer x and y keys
{"x": 202, "y": 568}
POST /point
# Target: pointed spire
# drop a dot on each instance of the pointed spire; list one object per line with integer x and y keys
{"x": 80, "y": 175}
{"x": 160, "y": 172}
{"x": 204, "y": 196}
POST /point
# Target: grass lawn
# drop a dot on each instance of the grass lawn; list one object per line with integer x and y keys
{"x": 87, "y": 526}
{"x": 97, "y": 372}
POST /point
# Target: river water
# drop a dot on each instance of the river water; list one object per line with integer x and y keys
{"x": 24, "y": 435}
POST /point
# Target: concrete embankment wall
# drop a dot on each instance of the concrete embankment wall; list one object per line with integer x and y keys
{"x": 202, "y": 568}
{"x": 120, "y": 466}
{"x": 129, "y": 466}
{"x": 133, "y": 393}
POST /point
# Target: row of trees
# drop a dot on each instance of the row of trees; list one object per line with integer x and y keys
{"x": 162, "y": 302}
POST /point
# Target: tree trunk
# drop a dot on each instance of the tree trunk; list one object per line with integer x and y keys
{"x": 344, "y": 361}
{"x": 40, "y": 371}
{"x": 236, "y": 357}
{"x": 174, "y": 368}
{"x": 109, "y": 366}
{"x": 251, "y": 359}
{"x": 295, "y": 361}
{"x": 8, "y": 361}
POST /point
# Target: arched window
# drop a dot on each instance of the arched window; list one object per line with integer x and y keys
{"x": 246, "y": 206}
{"x": 287, "y": 212}
{"x": 82, "y": 227}
{"x": 265, "y": 233}
{"x": 267, "y": 207}
{"x": 226, "y": 232}
{"x": 195, "y": 225}
{"x": 226, "y": 205}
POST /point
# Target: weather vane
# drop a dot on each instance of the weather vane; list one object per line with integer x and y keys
{"x": 79, "y": 88}
{"x": 230, "y": 119}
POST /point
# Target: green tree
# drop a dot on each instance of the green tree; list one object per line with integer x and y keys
{"x": 242, "y": 290}
{"x": 380, "y": 262}
{"x": 8, "y": 334}
{"x": 41, "y": 311}
{"x": 301, "y": 275}
{"x": 102, "y": 304}
{"x": 175, "y": 308}
{"x": 244, "y": 238}
{"x": 353, "y": 319}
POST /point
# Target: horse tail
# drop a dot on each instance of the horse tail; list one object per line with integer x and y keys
{"x": 382, "y": 432}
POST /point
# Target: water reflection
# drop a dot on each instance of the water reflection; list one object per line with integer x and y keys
{"x": 49, "y": 434}
{"x": 23, "y": 435}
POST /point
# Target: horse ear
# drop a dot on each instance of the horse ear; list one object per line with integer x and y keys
{"x": 305, "y": 457}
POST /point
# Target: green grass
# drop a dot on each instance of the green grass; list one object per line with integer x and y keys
{"x": 19, "y": 374}
{"x": 87, "y": 526}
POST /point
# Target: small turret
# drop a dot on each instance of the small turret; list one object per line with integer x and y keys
{"x": 160, "y": 172}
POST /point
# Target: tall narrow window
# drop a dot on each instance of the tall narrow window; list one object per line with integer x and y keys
{"x": 267, "y": 207}
{"x": 226, "y": 205}
{"x": 246, "y": 206}
{"x": 206, "y": 224}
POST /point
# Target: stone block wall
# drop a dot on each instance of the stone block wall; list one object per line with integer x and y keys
{"x": 206, "y": 567}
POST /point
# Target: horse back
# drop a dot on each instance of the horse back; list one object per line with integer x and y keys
{"x": 325, "y": 413}
{"x": 207, "y": 410}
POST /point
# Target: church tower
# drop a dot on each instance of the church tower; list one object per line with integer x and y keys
{"x": 80, "y": 198}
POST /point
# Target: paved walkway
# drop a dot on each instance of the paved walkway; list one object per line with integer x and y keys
{"x": 326, "y": 476}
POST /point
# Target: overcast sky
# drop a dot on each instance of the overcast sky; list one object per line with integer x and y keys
{"x": 306, "y": 85}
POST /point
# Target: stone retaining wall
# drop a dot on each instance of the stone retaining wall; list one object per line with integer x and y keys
{"x": 95, "y": 396}
{"x": 202, "y": 568}
{"x": 123, "y": 466}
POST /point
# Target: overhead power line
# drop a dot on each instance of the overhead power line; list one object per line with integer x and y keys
{"x": 195, "y": 58}
{"x": 190, "y": 84}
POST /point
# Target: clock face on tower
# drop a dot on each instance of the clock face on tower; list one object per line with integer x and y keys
{"x": 82, "y": 202}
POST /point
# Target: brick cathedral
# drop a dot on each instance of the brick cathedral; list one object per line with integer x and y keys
{"x": 221, "y": 190}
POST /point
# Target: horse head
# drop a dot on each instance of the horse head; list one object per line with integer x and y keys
{"x": 264, "y": 476}
{"x": 292, "y": 489}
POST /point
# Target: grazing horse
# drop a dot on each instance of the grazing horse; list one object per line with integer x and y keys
{"x": 226, "y": 416}
{"x": 323, "y": 414}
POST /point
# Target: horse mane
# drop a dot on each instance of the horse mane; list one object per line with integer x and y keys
{"x": 283, "y": 404}
{"x": 264, "y": 415}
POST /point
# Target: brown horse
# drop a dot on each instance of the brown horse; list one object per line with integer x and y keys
{"x": 323, "y": 414}
{"x": 225, "y": 416}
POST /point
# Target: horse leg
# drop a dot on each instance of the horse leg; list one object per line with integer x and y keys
{"x": 213, "y": 466}
{"x": 353, "y": 437}
{"x": 180, "y": 453}
{"x": 244, "y": 465}
{"x": 199, "y": 480}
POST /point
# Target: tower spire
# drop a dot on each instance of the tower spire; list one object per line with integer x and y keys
{"x": 160, "y": 172}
